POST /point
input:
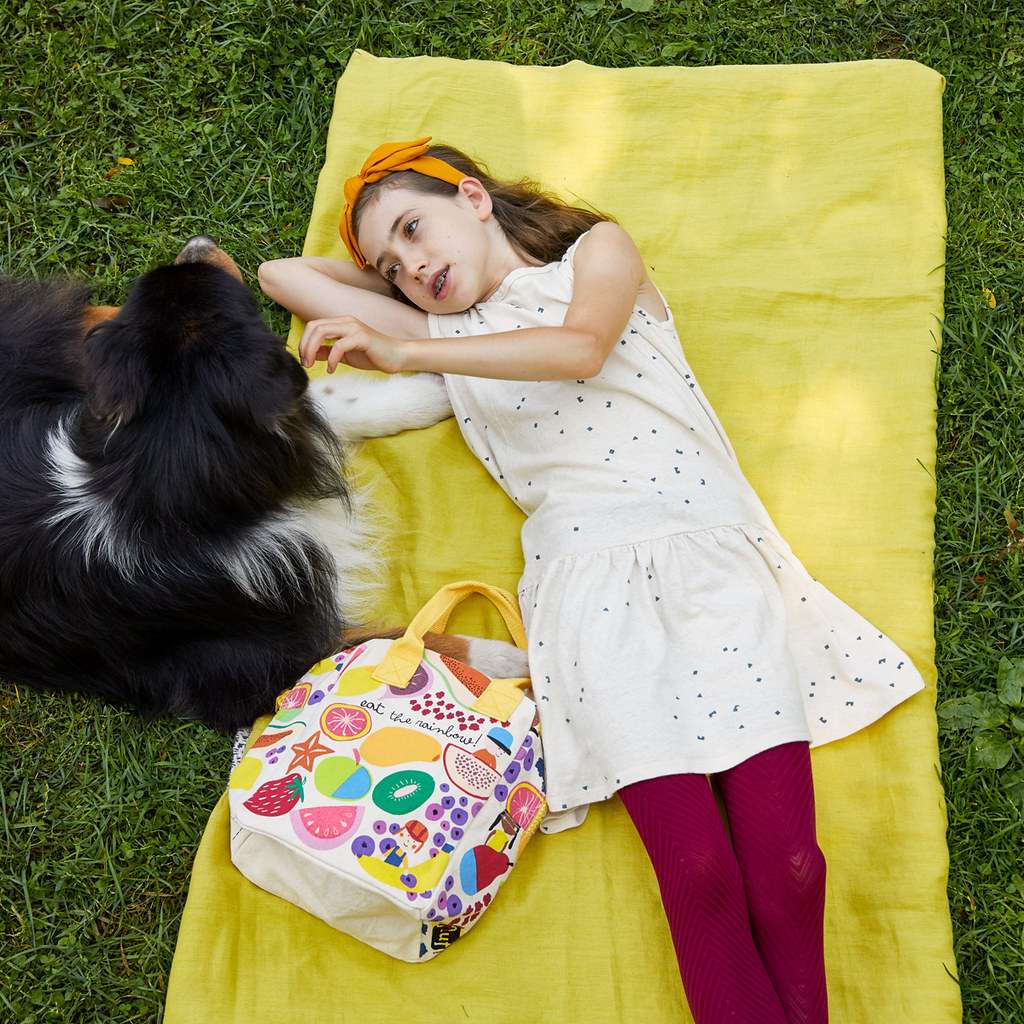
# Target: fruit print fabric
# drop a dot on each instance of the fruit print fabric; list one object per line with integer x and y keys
{"x": 276, "y": 797}
{"x": 411, "y": 791}
{"x": 671, "y": 628}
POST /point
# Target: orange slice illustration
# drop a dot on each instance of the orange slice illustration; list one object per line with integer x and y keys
{"x": 345, "y": 722}
{"x": 524, "y": 803}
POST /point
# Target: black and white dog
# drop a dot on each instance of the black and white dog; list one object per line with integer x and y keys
{"x": 176, "y": 531}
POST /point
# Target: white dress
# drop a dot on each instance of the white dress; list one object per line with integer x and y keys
{"x": 671, "y": 628}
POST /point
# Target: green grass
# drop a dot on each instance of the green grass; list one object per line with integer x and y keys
{"x": 225, "y": 107}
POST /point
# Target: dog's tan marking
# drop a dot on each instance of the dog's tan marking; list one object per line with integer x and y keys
{"x": 94, "y": 315}
{"x": 219, "y": 258}
{"x": 441, "y": 643}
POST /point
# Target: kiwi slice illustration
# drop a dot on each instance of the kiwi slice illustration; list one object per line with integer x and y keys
{"x": 404, "y": 791}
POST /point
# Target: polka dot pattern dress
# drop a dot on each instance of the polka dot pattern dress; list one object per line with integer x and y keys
{"x": 671, "y": 628}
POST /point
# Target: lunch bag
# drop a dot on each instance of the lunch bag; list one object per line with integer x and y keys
{"x": 394, "y": 789}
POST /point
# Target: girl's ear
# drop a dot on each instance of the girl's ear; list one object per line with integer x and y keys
{"x": 477, "y": 196}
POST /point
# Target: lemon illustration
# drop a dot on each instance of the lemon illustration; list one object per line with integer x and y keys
{"x": 326, "y": 665}
{"x": 356, "y": 681}
{"x": 246, "y": 773}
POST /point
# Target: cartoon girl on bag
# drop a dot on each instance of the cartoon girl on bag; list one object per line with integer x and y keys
{"x": 410, "y": 838}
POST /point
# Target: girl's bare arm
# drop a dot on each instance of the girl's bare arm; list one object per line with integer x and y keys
{"x": 607, "y": 273}
{"x": 314, "y": 288}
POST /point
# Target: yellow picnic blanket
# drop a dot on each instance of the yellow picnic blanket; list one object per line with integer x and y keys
{"x": 794, "y": 217}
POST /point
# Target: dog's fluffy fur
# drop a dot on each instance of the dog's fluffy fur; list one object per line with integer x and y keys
{"x": 164, "y": 483}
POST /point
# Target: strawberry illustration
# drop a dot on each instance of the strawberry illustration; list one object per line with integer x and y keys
{"x": 276, "y": 797}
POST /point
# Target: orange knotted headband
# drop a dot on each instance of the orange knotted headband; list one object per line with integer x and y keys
{"x": 385, "y": 159}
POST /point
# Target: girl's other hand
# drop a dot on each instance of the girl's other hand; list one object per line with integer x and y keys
{"x": 356, "y": 345}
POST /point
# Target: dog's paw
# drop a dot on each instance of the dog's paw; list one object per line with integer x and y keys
{"x": 336, "y": 391}
{"x": 342, "y": 399}
{"x": 359, "y": 406}
{"x": 417, "y": 400}
{"x": 496, "y": 658}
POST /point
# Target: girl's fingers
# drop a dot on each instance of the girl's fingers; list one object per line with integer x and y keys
{"x": 337, "y": 354}
{"x": 313, "y": 347}
{"x": 307, "y": 347}
{"x": 307, "y": 344}
{"x": 314, "y": 335}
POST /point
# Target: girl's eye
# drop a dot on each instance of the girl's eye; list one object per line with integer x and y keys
{"x": 409, "y": 229}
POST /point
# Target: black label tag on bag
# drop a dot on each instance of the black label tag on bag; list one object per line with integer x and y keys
{"x": 443, "y": 935}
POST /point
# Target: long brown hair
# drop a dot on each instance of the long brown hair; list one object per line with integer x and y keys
{"x": 536, "y": 222}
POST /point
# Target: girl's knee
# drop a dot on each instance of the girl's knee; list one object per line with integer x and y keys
{"x": 807, "y": 869}
{"x": 708, "y": 877}
{"x": 801, "y": 868}
{"x": 790, "y": 878}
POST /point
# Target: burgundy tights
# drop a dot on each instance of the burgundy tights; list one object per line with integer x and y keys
{"x": 746, "y": 918}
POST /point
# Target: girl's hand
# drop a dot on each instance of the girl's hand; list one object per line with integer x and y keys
{"x": 356, "y": 345}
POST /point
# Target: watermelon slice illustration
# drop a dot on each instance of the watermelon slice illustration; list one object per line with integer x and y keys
{"x": 324, "y": 828}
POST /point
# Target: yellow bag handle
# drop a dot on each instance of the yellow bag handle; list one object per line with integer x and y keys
{"x": 398, "y": 666}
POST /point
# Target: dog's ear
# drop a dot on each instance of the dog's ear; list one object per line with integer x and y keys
{"x": 117, "y": 378}
{"x": 271, "y": 392}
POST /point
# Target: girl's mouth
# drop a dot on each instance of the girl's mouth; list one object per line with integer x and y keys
{"x": 441, "y": 284}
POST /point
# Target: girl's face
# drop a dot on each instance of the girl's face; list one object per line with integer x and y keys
{"x": 444, "y": 254}
{"x": 403, "y": 838}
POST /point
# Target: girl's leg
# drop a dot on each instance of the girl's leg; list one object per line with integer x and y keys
{"x": 702, "y": 890}
{"x": 770, "y": 802}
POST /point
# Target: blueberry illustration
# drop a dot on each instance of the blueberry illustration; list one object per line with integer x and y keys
{"x": 459, "y": 817}
{"x": 363, "y": 846}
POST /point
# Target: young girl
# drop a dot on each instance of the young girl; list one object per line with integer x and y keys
{"x": 673, "y": 634}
